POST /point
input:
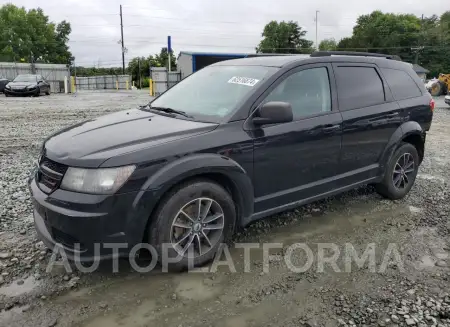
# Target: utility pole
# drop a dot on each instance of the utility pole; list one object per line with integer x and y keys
{"x": 123, "y": 46}
{"x": 317, "y": 21}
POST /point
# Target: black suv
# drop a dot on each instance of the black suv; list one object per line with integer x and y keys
{"x": 235, "y": 142}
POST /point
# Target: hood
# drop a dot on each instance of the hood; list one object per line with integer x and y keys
{"x": 21, "y": 85}
{"x": 90, "y": 143}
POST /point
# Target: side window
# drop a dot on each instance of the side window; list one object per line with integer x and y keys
{"x": 308, "y": 91}
{"x": 358, "y": 87}
{"x": 401, "y": 84}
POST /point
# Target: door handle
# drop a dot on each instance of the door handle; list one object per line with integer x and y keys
{"x": 331, "y": 128}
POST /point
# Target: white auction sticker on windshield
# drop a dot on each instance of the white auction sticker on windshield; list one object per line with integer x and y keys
{"x": 243, "y": 80}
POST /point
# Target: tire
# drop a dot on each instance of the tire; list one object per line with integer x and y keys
{"x": 387, "y": 187}
{"x": 437, "y": 89}
{"x": 161, "y": 230}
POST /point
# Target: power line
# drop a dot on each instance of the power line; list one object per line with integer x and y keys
{"x": 252, "y": 46}
{"x": 87, "y": 15}
{"x": 238, "y": 24}
{"x": 212, "y": 34}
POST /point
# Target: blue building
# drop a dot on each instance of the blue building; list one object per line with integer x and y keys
{"x": 190, "y": 62}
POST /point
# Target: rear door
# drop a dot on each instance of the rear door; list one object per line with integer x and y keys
{"x": 370, "y": 117}
{"x": 299, "y": 159}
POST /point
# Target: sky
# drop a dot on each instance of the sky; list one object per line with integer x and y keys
{"x": 203, "y": 25}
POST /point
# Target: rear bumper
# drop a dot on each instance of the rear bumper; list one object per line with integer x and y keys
{"x": 20, "y": 93}
{"x": 88, "y": 226}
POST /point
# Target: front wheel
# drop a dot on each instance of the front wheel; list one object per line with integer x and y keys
{"x": 191, "y": 222}
{"x": 400, "y": 173}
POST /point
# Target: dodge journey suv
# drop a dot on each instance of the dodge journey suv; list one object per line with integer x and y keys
{"x": 235, "y": 142}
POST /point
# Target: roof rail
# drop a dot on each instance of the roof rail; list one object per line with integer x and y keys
{"x": 252, "y": 55}
{"x": 354, "y": 53}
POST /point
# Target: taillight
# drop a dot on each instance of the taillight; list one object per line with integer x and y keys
{"x": 432, "y": 103}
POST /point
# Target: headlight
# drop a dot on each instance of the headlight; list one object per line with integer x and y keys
{"x": 7, "y": 86}
{"x": 96, "y": 181}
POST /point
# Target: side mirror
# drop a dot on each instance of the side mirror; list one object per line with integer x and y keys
{"x": 40, "y": 82}
{"x": 273, "y": 112}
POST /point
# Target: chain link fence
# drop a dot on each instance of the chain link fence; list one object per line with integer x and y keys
{"x": 105, "y": 82}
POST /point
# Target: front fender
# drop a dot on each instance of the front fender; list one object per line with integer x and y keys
{"x": 196, "y": 165}
{"x": 403, "y": 131}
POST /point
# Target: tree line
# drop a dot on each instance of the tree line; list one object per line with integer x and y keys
{"x": 424, "y": 41}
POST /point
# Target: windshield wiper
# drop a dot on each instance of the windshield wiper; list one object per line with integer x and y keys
{"x": 169, "y": 111}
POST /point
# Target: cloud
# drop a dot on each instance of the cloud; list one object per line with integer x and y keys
{"x": 203, "y": 25}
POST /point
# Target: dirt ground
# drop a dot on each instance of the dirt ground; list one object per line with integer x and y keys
{"x": 408, "y": 285}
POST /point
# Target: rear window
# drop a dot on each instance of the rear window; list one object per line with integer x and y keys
{"x": 402, "y": 85}
{"x": 358, "y": 87}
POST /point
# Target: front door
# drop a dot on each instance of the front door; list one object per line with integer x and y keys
{"x": 298, "y": 160}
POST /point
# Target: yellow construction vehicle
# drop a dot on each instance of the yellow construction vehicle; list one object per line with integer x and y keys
{"x": 439, "y": 86}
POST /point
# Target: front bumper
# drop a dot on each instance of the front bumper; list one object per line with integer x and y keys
{"x": 81, "y": 224}
{"x": 20, "y": 92}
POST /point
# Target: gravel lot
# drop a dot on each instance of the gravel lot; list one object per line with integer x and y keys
{"x": 412, "y": 291}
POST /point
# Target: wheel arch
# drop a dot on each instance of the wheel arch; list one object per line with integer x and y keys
{"x": 409, "y": 132}
{"x": 216, "y": 168}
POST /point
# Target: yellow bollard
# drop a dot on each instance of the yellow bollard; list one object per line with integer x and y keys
{"x": 117, "y": 85}
{"x": 126, "y": 84}
{"x": 133, "y": 84}
{"x": 72, "y": 82}
{"x": 150, "y": 86}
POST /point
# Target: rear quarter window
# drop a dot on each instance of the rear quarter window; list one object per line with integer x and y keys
{"x": 358, "y": 87}
{"x": 401, "y": 84}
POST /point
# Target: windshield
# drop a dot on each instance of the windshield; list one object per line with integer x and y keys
{"x": 26, "y": 78}
{"x": 213, "y": 92}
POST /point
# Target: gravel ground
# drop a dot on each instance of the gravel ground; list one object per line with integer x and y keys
{"x": 412, "y": 291}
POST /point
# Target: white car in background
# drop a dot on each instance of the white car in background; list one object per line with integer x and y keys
{"x": 447, "y": 99}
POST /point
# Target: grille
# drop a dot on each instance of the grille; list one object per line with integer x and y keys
{"x": 56, "y": 167}
{"x": 50, "y": 175}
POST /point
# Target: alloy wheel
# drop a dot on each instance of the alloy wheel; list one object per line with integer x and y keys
{"x": 403, "y": 171}
{"x": 197, "y": 227}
